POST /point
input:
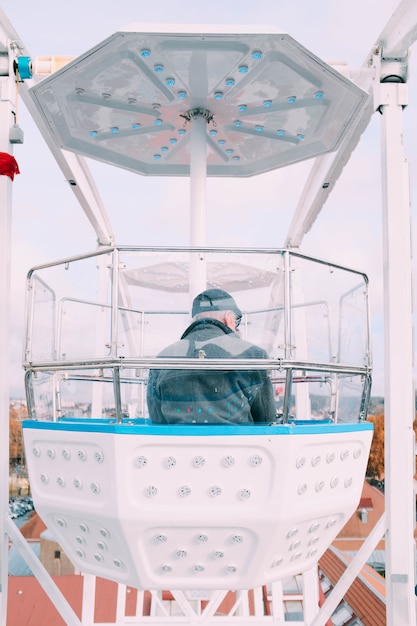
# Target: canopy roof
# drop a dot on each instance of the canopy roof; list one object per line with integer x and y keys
{"x": 132, "y": 99}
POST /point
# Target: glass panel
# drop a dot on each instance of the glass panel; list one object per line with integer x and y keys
{"x": 41, "y": 397}
{"x": 293, "y": 611}
{"x": 69, "y": 311}
{"x": 328, "y": 313}
{"x": 40, "y": 340}
{"x": 71, "y": 320}
{"x": 157, "y": 289}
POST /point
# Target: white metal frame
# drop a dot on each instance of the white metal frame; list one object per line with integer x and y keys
{"x": 387, "y": 58}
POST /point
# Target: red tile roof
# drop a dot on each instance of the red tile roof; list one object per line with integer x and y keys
{"x": 28, "y": 604}
{"x": 354, "y": 533}
{"x": 33, "y": 528}
{"x": 366, "y": 503}
{"x": 366, "y": 596}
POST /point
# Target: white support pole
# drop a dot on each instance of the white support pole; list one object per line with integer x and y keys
{"x": 198, "y": 201}
{"x": 198, "y": 176}
{"x": 89, "y": 594}
{"x": 7, "y": 93}
{"x": 45, "y": 580}
{"x": 398, "y": 349}
{"x": 310, "y": 594}
{"x": 348, "y": 577}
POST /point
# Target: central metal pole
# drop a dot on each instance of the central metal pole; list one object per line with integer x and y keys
{"x": 198, "y": 180}
{"x": 198, "y": 198}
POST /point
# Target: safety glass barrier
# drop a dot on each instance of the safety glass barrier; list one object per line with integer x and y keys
{"x": 128, "y": 302}
{"x": 106, "y": 393}
{"x": 114, "y": 314}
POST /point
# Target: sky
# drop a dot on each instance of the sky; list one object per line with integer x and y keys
{"x": 48, "y": 223}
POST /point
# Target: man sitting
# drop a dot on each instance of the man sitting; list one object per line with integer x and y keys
{"x": 211, "y": 396}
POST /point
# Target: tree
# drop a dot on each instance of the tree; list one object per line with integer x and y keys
{"x": 16, "y": 451}
{"x": 415, "y": 434}
{"x": 376, "y": 456}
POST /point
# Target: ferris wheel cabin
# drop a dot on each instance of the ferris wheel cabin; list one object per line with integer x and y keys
{"x": 192, "y": 506}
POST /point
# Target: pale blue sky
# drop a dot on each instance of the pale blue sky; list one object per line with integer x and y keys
{"x": 48, "y": 223}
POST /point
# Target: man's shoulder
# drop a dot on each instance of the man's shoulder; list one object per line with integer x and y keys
{"x": 179, "y": 348}
{"x": 242, "y": 348}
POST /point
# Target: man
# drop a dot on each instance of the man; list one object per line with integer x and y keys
{"x": 211, "y": 396}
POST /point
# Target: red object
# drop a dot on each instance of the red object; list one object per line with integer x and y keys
{"x": 8, "y": 165}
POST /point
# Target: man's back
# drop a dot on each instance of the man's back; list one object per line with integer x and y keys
{"x": 211, "y": 396}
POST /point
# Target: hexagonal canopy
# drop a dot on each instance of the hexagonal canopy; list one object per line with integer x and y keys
{"x": 132, "y": 101}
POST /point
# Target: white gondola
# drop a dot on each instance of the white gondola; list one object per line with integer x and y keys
{"x": 196, "y": 506}
{"x": 182, "y": 506}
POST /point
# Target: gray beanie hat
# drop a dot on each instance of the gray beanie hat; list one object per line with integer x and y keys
{"x": 214, "y": 300}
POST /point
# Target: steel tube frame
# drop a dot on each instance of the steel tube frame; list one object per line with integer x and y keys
{"x": 398, "y": 349}
{"x": 7, "y": 104}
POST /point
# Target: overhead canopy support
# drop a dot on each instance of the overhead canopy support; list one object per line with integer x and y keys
{"x": 400, "y": 32}
{"x": 388, "y": 57}
{"x": 323, "y": 176}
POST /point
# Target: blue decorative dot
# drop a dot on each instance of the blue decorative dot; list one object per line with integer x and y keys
{"x": 212, "y": 133}
{"x": 114, "y": 129}
{"x": 230, "y": 82}
{"x": 237, "y": 123}
{"x": 182, "y": 94}
{"x": 173, "y": 141}
{"x": 281, "y": 132}
{"x": 243, "y": 69}
{"x": 291, "y": 99}
{"x": 221, "y": 142}
{"x": 136, "y": 125}
{"x": 243, "y": 107}
{"x": 256, "y": 54}
{"x": 259, "y": 128}
{"x": 164, "y": 149}
{"x": 199, "y": 410}
{"x": 170, "y": 82}
{"x": 218, "y": 95}
{"x": 159, "y": 67}
{"x": 229, "y": 151}
{"x": 93, "y": 133}
{"x": 182, "y": 131}
{"x": 300, "y": 136}
{"x": 157, "y": 157}
{"x": 319, "y": 95}
{"x": 210, "y": 410}
{"x": 158, "y": 122}
{"x": 267, "y": 103}
{"x": 236, "y": 158}
{"x": 145, "y": 52}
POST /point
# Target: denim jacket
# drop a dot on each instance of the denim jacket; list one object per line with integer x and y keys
{"x": 211, "y": 396}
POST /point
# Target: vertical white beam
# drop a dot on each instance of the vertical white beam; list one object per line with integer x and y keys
{"x": 398, "y": 350}
{"x": 89, "y": 594}
{"x": 198, "y": 202}
{"x": 310, "y": 594}
{"x": 198, "y": 180}
{"x": 7, "y": 89}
